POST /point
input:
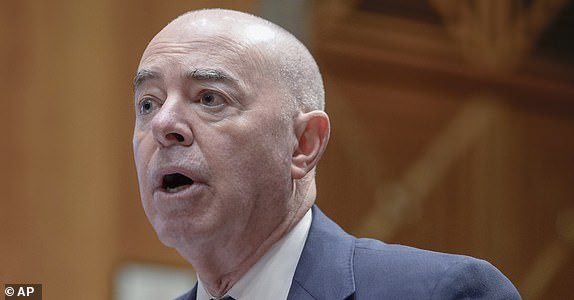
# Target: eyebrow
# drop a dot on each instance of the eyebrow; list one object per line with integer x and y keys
{"x": 143, "y": 75}
{"x": 210, "y": 75}
{"x": 202, "y": 74}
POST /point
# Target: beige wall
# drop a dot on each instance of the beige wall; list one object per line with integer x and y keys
{"x": 424, "y": 151}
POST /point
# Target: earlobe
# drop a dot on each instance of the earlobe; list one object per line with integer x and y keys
{"x": 312, "y": 130}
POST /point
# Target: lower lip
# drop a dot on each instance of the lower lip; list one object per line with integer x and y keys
{"x": 187, "y": 193}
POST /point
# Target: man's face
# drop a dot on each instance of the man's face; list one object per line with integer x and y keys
{"x": 213, "y": 154}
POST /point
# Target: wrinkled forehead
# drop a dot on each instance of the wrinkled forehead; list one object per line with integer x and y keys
{"x": 237, "y": 39}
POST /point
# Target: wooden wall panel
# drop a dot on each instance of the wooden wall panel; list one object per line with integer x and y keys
{"x": 63, "y": 183}
{"x": 431, "y": 151}
{"x": 17, "y": 250}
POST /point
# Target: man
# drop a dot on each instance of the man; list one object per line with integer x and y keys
{"x": 229, "y": 128}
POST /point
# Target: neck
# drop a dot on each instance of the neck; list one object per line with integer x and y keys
{"x": 220, "y": 267}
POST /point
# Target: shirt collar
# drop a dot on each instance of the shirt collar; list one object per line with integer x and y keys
{"x": 271, "y": 276}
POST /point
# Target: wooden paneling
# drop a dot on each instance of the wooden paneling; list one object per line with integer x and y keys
{"x": 61, "y": 177}
{"x": 428, "y": 149}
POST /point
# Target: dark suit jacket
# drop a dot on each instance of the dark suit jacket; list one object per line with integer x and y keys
{"x": 335, "y": 266}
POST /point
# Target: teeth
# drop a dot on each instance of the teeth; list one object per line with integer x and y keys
{"x": 176, "y": 189}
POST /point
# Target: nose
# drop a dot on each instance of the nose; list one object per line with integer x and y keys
{"x": 170, "y": 126}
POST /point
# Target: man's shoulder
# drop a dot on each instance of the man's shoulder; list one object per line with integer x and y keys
{"x": 367, "y": 249}
{"x": 397, "y": 270}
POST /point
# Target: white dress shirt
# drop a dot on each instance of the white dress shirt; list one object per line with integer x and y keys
{"x": 271, "y": 276}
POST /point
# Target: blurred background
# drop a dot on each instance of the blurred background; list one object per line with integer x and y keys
{"x": 453, "y": 130}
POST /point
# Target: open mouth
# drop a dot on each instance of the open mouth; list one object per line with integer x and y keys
{"x": 172, "y": 183}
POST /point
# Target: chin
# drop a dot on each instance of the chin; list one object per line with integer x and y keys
{"x": 170, "y": 241}
{"x": 169, "y": 232}
{"x": 178, "y": 233}
{"x": 171, "y": 236}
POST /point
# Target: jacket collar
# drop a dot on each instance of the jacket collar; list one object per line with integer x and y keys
{"x": 191, "y": 295}
{"x": 325, "y": 269}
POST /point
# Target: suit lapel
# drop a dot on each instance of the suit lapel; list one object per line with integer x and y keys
{"x": 191, "y": 295}
{"x": 325, "y": 269}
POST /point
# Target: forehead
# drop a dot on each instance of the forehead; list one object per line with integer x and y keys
{"x": 197, "y": 52}
{"x": 224, "y": 47}
{"x": 213, "y": 38}
{"x": 207, "y": 57}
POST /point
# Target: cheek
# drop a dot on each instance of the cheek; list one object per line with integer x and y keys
{"x": 143, "y": 148}
{"x": 254, "y": 154}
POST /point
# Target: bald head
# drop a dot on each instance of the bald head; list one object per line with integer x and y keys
{"x": 273, "y": 52}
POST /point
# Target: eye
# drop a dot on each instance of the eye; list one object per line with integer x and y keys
{"x": 146, "y": 106}
{"x": 211, "y": 99}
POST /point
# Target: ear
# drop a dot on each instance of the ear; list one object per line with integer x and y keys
{"x": 312, "y": 130}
